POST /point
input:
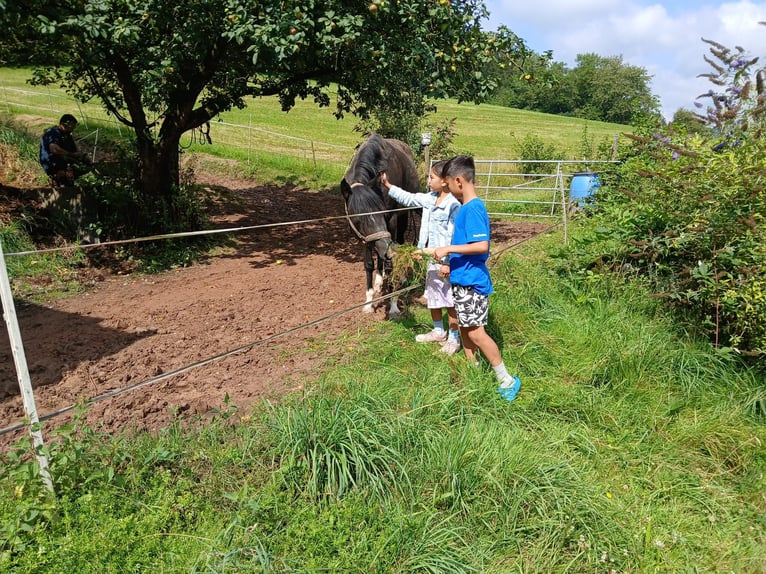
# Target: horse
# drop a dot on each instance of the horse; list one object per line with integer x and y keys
{"x": 363, "y": 193}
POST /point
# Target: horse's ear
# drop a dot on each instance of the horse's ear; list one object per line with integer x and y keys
{"x": 345, "y": 189}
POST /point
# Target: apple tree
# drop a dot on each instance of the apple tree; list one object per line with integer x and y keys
{"x": 164, "y": 67}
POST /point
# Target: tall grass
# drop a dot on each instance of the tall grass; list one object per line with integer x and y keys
{"x": 631, "y": 448}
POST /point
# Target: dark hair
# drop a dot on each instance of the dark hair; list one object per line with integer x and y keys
{"x": 67, "y": 119}
{"x": 460, "y": 165}
{"x": 438, "y": 167}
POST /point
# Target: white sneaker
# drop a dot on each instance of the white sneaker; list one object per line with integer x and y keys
{"x": 450, "y": 348}
{"x": 431, "y": 337}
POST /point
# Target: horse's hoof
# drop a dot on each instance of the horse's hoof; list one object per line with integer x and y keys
{"x": 395, "y": 314}
{"x": 368, "y": 309}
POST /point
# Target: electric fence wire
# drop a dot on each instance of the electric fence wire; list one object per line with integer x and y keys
{"x": 209, "y": 360}
{"x": 86, "y": 246}
{"x": 241, "y": 349}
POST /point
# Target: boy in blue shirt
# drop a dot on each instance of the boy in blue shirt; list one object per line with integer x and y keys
{"x": 469, "y": 275}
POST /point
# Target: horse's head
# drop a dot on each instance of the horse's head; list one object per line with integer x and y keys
{"x": 367, "y": 217}
{"x": 384, "y": 247}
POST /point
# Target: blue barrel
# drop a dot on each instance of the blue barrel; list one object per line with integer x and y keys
{"x": 582, "y": 186}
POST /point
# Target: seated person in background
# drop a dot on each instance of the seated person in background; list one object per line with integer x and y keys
{"x": 58, "y": 153}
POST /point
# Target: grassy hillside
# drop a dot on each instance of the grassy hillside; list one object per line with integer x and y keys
{"x": 487, "y": 131}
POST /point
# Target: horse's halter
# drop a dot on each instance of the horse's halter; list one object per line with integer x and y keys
{"x": 365, "y": 238}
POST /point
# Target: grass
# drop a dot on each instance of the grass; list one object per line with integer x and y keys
{"x": 40, "y": 276}
{"x": 629, "y": 449}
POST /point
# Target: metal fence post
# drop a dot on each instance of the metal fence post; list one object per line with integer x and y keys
{"x": 564, "y": 202}
{"x": 22, "y": 371}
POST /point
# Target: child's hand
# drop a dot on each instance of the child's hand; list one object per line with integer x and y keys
{"x": 384, "y": 179}
{"x": 425, "y": 251}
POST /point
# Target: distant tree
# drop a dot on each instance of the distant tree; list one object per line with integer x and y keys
{"x": 598, "y": 88}
{"x": 164, "y": 67}
{"x": 608, "y": 90}
{"x": 542, "y": 86}
{"x": 689, "y": 122}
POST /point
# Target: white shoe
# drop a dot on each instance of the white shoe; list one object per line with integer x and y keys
{"x": 431, "y": 337}
{"x": 450, "y": 348}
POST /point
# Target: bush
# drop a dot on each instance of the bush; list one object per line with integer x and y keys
{"x": 536, "y": 150}
{"x": 688, "y": 212}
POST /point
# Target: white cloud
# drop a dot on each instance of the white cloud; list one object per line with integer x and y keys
{"x": 663, "y": 36}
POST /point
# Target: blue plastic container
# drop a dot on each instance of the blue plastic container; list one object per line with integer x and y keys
{"x": 582, "y": 187}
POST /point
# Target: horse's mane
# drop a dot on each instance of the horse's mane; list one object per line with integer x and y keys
{"x": 363, "y": 192}
{"x": 368, "y": 161}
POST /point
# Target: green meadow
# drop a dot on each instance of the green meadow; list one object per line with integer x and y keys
{"x": 631, "y": 448}
{"x": 486, "y": 131}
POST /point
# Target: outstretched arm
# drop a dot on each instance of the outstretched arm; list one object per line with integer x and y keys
{"x": 474, "y": 248}
{"x": 56, "y": 149}
{"x": 405, "y": 197}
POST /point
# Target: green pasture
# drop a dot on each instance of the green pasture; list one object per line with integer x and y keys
{"x": 308, "y": 146}
{"x": 307, "y": 132}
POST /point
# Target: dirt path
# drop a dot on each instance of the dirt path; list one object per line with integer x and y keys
{"x": 130, "y": 329}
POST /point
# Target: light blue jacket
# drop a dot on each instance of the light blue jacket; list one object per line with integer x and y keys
{"x": 437, "y": 222}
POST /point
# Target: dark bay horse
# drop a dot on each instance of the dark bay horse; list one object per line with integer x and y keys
{"x": 364, "y": 194}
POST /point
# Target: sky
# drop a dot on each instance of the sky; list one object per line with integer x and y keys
{"x": 663, "y": 36}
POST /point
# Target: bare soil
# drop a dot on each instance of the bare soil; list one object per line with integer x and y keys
{"x": 127, "y": 330}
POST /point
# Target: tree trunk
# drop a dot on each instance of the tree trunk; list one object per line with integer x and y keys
{"x": 158, "y": 167}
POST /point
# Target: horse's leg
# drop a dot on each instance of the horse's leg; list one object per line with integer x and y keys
{"x": 369, "y": 267}
{"x": 379, "y": 276}
{"x": 393, "y": 307}
{"x": 393, "y": 310}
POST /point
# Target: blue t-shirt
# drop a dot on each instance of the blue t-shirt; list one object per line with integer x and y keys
{"x": 471, "y": 225}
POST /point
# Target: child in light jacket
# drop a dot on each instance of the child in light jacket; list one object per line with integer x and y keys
{"x": 436, "y": 226}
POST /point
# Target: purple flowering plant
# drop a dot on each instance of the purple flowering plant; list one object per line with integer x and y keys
{"x": 738, "y": 105}
{"x": 688, "y": 210}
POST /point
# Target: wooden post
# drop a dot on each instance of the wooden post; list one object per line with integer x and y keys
{"x": 22, "y": 371}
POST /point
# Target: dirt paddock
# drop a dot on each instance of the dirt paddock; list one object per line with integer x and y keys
{"x": 129, "y": 329}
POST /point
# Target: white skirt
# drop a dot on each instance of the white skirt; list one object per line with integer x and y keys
{"x": 438, "y": 291}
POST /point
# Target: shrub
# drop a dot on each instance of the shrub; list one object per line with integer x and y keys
{"x": 533, "y": 148}
{"x": 688, "y": 212}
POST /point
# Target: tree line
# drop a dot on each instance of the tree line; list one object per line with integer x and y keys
{"x": 600, "y": 88}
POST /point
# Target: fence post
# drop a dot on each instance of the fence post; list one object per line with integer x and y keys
{"x": 564, "y": 202}
{"x": 22, "y": 371}
{"x": 249, "y": 138}
{"x": 489, "y": 178}
{"x": 314, "y": 158}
